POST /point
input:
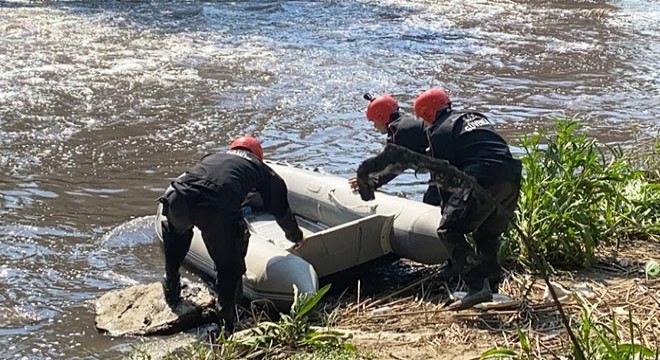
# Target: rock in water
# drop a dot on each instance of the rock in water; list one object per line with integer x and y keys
{"x": 142, "y": 310}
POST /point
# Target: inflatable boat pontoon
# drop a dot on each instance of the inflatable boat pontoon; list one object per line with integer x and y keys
{"x": 342, "y": 232}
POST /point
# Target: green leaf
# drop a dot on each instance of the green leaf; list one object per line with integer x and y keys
{"x": 349, "y": 347}
{"x": 635, "y": 349}
{"x": 310, "y": 301}
{"x": 607, "y": 343}
{"x": 498, "y": 353}
{"x": 524, "y": 343}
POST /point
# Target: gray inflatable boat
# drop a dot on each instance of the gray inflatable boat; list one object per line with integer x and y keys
{"x": 342, "y": 232}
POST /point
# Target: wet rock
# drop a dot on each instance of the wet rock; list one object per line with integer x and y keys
{"x": 142, "y": 310}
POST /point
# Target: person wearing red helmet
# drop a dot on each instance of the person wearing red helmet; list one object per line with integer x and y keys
{"x": 469, "y": 141}
{"x": 210, "y": 196}
{"x": 383, "y": 112}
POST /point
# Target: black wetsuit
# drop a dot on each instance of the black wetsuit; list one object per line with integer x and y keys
{"x": 209, "y": 196}
{"x": 409, "y": 133}
{"x": 469, "y": 142}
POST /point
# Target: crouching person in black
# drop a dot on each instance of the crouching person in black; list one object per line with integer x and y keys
{"x": 469, "y": 142}
{"x": 209, "y": 196}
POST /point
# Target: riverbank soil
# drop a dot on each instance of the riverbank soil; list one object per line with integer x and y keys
{"x": 399, "y": 312}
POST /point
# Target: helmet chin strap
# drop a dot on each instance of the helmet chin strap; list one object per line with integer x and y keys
{"x": 393, "y": 116}
{"x": 442, "y": 112}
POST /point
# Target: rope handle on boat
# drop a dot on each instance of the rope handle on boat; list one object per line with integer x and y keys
{"x": 370, "y": 208}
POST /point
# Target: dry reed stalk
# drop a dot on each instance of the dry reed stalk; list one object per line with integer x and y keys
{"x": 418, "y": 305}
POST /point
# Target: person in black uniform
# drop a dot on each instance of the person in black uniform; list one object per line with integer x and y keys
{"x": 383, "y": 112}
{"x": 468, "y": 141}
{"x": 210, "y": 196}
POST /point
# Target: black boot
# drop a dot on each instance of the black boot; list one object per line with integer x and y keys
{"x": 176, "y": 246}
{"x": 172, "y": 290}
{"x": 494, "y": 284}
{"x": 488, "y": 249}
{"x": 477, "y": 294}
{"x": 227, "y": 297}
{"x": 227, "y": 323}
{"x": 493, "y": 272}
{"x": 226, "y": 315}
{"x": 463, "y": 260}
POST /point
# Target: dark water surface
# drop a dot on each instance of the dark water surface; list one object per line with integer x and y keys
{"x": 102, "y": 103}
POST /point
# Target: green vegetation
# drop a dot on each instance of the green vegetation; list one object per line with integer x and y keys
{"x": 578, "y": 194}
{"x": 291, "y": 337}
{"x": 327, "y": 353}
{"x": 599, "y": 338}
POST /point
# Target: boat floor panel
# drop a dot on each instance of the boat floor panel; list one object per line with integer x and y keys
{"x": 265, "y": 227}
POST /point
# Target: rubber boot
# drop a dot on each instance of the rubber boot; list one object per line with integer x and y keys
{"x": 226, "y": 315}
{"x": 227, "y": 306}
{"x": 175, "y": 246}
{"x": 494, "y": 284}
{"x": 462, "y": 261}
{"x": 492, "y": 270}
{"x": 476, "y": 295}
{"x": 488, "y": 249}
{"x": 172, "y": 289}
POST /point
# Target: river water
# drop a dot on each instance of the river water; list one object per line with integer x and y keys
{"x": 103, "y": 103}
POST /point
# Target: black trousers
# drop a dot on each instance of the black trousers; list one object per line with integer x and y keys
{"x": 465, "y": 212}
{"x": 225, "y": 236}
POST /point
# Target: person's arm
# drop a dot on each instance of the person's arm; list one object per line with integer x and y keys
{"x": 279, "y": 207}
{"x": 410, "y": 137}
{"x": 377, "y": 179}
{"x": 397, "y": 159}
{"x": 382, "y": 179}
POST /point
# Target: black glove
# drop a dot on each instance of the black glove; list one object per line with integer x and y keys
{"x": 366, "y": 188}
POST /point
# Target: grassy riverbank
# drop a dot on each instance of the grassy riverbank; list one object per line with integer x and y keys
{"x": 591, "y": 210}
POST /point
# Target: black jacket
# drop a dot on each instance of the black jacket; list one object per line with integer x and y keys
{"x": 469, "y": 142}
{"x": 408, "y": 133}
{"x": 224, "y": 180}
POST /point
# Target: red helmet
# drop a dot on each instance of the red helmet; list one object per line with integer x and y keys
{"x": 381, "y": 108}
{"x": 248, "y": 143}
{"x": 429, "y": 103}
